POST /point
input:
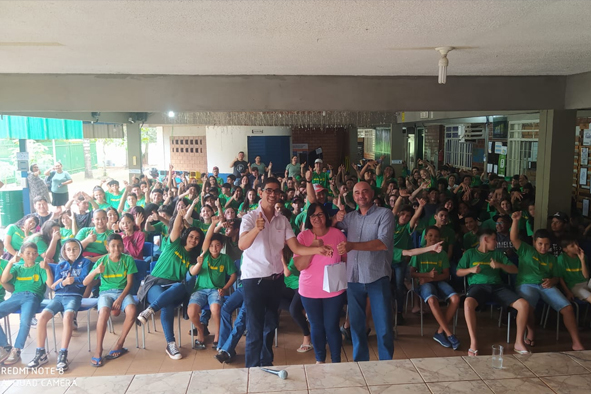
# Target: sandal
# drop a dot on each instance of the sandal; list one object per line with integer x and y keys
{"x": 529, "y": 342}
{"x": 96, "y": 362}
{"x": 521, "y": 351}
{"x": 305, "y": 348}
{"x": 113, "y": 354}
{"x": 199, "y": 345}
{"x": 214, "y": 345}
{"x": 472, "y": 352}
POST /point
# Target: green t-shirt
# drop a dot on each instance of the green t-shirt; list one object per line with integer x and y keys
{"x": 200, "y": 225}
{"x": 113, "y": 200}
{"x": 402, "y": 238}
{"x": 446, "y": 234}
{"x": 29, "y": 279}
{"x": 173, "y": 263}
{"x": 380, "y": 180}
{"x": 220, "y": 181}
{"x": 260, "y": 167}
{"x": 397, "y": 255}
{"x": 3, "y": 264}
{"x": 42, "y": 248}
{"x": 322, "y": 179}
{"x": 100, "y": 245}
{"x": 115, "y": 275}
{"x": 251, "y": 207}
{"x": 292, "y": 281}
{"x": 533, "y": 266}
{"x": 470, "y": 240}
{"x": 424, "y": 263}
{"x": 214, "y": 272}
{"x": 66, "y": 233}
{"x": 161, "y": 229}
{"x": 487, "y": 275}
{"x": 571, "y": 270}
{"x": 18, "y": 236}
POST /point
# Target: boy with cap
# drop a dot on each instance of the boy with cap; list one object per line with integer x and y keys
{"x": 319, "y": 177}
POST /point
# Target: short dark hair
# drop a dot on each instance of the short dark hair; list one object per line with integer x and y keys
{"x": 486, "y": 232}
{"x": 113, "y": 182}
{"x": 158, "y": 191}
{"x": 217, "y": 237}
{"x": 542, "y": 233}
{"x": 132, "y": 195}
{"x": 568, "y": 240}
{"x": 226, "y": 185}
{"x": 28, "y": 245}
{"x": 114, "y": 237}
{"x": 441, "y": 209}
{"x": 310, "y": 212}
{"x": 407, "y": 208}
{"x": 270, "y": 180}
{"x": 38, "y": 199}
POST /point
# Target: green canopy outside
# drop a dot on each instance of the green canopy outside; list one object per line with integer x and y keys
{"x": 22, "y": 127}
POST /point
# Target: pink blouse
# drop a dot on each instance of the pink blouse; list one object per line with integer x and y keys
{"x": 134, "y": 244}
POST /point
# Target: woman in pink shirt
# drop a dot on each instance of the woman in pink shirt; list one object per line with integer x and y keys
{"x": 133, "y": 238}
{"x": 323, "y": 308}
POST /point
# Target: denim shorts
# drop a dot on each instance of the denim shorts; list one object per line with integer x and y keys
{"x": 442, "y": 290}
{"x": 106, "y": 299}
{"x": 552, "y": 296}
{"x": 64, "y": 303}
{"x": 206, "y": 297}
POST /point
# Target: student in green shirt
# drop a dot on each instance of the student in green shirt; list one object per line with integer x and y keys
{"x": 431, "y": 270}
{"x": 114, "y": 195}
{"x": 115, "y": 272}
{"x": 100, "y": 198}
{"x": 69, "y": 225}
{"x": 471, "y": 237}
{"x": 211, "y": 286}
{"x": 573, "y": 270}
{"x": 94, "y": 239}
{"x": 16, "y": 234}
{"x": 447, "y": 234}
{"x": 164, "y": 289}
{"x": 482, "y": 266}
{"x": 538, "y": 277}
{"x": 47, "y": 241}
{"x": 29, "y": 280}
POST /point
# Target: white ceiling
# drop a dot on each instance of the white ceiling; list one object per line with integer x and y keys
{"x": 296, "y": 37}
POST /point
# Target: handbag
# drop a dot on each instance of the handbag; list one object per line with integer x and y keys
{"x": 335, "y": 277}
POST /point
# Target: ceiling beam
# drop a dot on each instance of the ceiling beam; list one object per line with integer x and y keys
{"x": 161, "y": 93}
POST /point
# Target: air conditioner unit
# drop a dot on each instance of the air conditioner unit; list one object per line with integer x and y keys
{"x": 471, "y": 133}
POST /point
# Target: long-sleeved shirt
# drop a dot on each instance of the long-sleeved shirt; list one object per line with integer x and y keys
{"x": 134, "y": 244}
{"x": 79, "y": 269}
{"x": 369, "y": 266}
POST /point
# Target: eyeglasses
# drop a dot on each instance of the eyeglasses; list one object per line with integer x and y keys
{"x": 317, "y": 215}
{"x": 272, "y": 191}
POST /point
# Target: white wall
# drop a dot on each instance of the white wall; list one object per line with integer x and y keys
{"x": 161, "y": 156}
{"x": 224, "y": 143}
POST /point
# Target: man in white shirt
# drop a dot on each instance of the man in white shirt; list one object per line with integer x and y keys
{"x": 263, "y": 235}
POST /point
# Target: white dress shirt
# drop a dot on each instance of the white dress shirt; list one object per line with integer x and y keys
{"x": 263, "y": 257}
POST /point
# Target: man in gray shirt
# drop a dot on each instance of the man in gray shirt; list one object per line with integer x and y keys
{"x": 369, "y": 248}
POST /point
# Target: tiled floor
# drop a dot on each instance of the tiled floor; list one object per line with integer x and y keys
{"x": 520, "y": 374}
{"x": 408, "y": 345}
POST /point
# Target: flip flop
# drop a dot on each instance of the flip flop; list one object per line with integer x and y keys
{"x": 472, "y": 352}
{"x": 529, "y": 342}
{"x": 199, "y": 345}
{"x": 113, "y": 354}
{"x": 521, "y": 351}
{"x": 305, "y": 348}
{"x": 98, "y": 362}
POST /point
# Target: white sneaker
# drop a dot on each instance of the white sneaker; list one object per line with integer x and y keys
{"x": 14, "y": 357}
{"x": 3, "y": 354}
{"x": 144, "y": 316}
{"x": 173, "y": 351}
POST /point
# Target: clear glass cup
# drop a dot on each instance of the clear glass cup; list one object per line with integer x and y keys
{"x": 497, "y": 356}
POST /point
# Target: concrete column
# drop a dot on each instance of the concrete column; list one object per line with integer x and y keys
{"x": 398, "y": 147}
{"x": 353, "y": 156}
{"x": 556, "y": 150}
{"x": 134, "y": 149}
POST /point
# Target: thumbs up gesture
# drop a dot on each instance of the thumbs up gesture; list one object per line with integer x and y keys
{"x": 91, "y": 237}
{"x": 68, "y": 281}
{"x": 101, "y": 268}
{"x": 432, "y": 273}
{"x": 317, "y": 242}
{"x": 260, "y": 223}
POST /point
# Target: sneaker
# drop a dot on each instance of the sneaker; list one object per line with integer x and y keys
{"x": 440, "y": 338}
{"x": 346, "y": 334}
{"x": 39, "y": 359}
{"x": 14, "y": 357}
{"x": 172, "y": 350}
{"x": 34, "y": 322}
{"x": 223, "y": 357}
{"x": 454, "y": 341}
{"x": 144, "y": 316}
{"x": 62, "y": 360}
{"x": 4, "y": 353}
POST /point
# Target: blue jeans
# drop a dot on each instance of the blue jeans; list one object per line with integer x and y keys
{"x": 230, "y": 336}
{"x": 399, "y": 270}
{"x": 167, "y": 299}
{"x": 324, "y": 315}
{"x": 261, "y": 298}
{"x": 29, "y": 304}
{"x": 551, "y": 296}
{"x": 379, "y": 297}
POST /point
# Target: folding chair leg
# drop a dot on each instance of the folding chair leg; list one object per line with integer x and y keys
{"x": 557, "y": 325}
{"x": 421, "y": 312}
{"x": 153, "y": 323}
{"x": 143, "y": 336}
{"x": 7, "y": 324}
{"x": 455, "y": 321}
{"x": 88, "y": 328}
{"x": 276, "y": 344}
{"x": 508, "y": 325}
{"x": 137, "y": 338}
{"x": 192, "y": 337}
{"x": 54, "y": 337}
{"x": 180, "y": 313}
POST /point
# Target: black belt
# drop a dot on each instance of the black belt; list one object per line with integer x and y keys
{"x": 272, "y": 277}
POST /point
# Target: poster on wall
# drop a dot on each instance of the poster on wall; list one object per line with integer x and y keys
{"x": 500, "y": 127}
{"x": 583, "y": 176}
{"x": 587, "y": 137}
{"x": 502, "y": 164}
{"x": 585, "y": 207}
{"x": 584, "y": 156}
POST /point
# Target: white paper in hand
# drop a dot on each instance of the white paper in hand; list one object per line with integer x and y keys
{"x": 335, "y": 277}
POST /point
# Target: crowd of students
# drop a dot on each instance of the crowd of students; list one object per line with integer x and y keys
{"x": 455, "y": 234}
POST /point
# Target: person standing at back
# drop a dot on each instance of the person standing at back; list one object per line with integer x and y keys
{"x": 263, "y": 234}
{"x": 59, "y": 181}
{"x": 369, "y": 248}
{"x": 239, "y": 166}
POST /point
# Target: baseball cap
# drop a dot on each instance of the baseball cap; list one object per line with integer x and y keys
{"x": 559, "y": 215}
{"x": 318, "y": 161}
{"x": 318, "y": 188}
